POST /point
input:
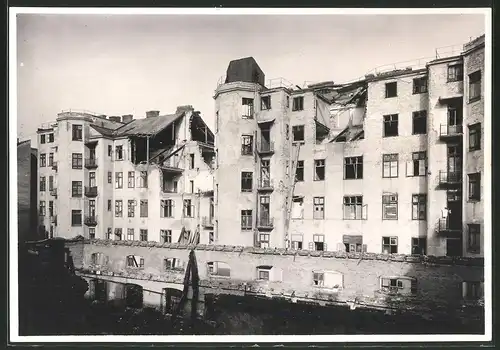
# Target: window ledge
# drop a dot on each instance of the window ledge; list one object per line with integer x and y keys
{"x": 474, "y": 200}
{"x": 385, "y": 136}
{"x": 419, "y": 93}
{"x": 474, "y": 149}
{"x": 475, "y": 99}
{"x": 454, "y": 80}
{"x": 391, "y": 96}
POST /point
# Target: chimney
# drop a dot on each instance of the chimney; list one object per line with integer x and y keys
{"x": 115, "y": 119}
{"x": 127, "y": 118}
{"x": 185, "y": 108}
{"x": 152, "y": 114}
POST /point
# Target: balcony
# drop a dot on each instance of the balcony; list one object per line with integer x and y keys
{"x": 53, "y": 192}
{"x": 91, "y": 191}
{"x": 54, "y": 166}
{"x": 90, "y": 220}
{"x": 208, "y": 221}
{"x": 90, "y": 163}
{"x": 265, "y": 185}
{"x": 450, "y": 178}
{"x": 265, "y": 147}
{"x": 450, "y": 132}
{"x": 53, "y": 219}
{"x": 450, "y": 227}
{"x": 265, "y": 223}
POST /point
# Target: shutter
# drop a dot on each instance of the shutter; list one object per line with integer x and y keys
{"x": 340, "y": 247}
{"x": 311, "y": 246}
{"x": 409, "y": 168}
{"x": 365, "y": 249}
{"x": 364, "y": 212}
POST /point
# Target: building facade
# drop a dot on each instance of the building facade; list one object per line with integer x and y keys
{"x": 391, "y": 163}
{"x": 146, "y": 179}
{"x": 27, "y": 191}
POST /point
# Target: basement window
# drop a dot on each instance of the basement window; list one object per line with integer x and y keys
{"x": 264, "y": 273}
{"x": 247, "y": 104}
{"x": 391, "y": 89}
{"x": 420, "y": 123}
{"x": 391, "y": 123}
{"x": 298, "y": 103}
{"x": 319, "y": 169}
{"x": 135, "y": 261}
{"x": 298, "y": 133}
{"x": 318, "y": 279}
{"x": 265, "y": 103}
{"x": 175, "y": 264}
{"x": 218, "y": 269}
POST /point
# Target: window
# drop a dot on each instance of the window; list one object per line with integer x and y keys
{"x": 298, "y": 103}
{"x": 51, "y": 208}
{"x": 455, "y": 73}
{"x": 247, "y": 108}
{"x": 298, "y": 207}
{"x": 143, "y": 234}
{"x": 420, "y": 85}
{"x": 51, "y": 159}
{"x": 299, "y": 171}
{"x": 51, "y": 137}
{"x": 109, "y": 204}
{"x": 42, "y": 139}
{"x": 135, "y": 261}
{"x": 389, "y": 245}
{"x": 246, "y": 145}
{"x": 211, "y": 238}
{"x": 319, "y": 279}
{"x": 246, "y": 219}
{"x": 119, "y": 180}
{"x": 191, "y": 161}
{"x": 191, "y": 186}
{"x": 130, "y": 234}
{"x": 167, "y": 208}
{"x": 352, "y": 244}
{"x": 110, "y": 150}
{"x": 319, "y": 208}
{"x": 91, "y": 232}
{"x": 318, "y": 243}
{"x": 474, "y": 238}
{"x": 76, "y": 218}
{"x": 319, "y": 169}
{"x": 419, "y": 207}
{"x": 118, "y": 208}
{"x": 418, "y": 165}
{"x": 144, "y": 208}
{"x": 475, "y": 186}
{"x": 296, "y": 242}
{"x": 391, "y": 125}
{"x": 77, "y": 133}
{"x": 391, "y": 89}
{"x": 475, "y": 86}
{"x": 188, "y": 209}
{"x": 419, "y": 123}
{"x": 173, "y": 264}
{"x": 42, "y": 184}
{"x": 98, "y": 259}
{"x": 353, "y": 168}
{"x": 246, "y": 181}
{"x": 475, "y": 137}
{"x": 353, "y": 208}
{"x": 264, "y": 240}
{"x": 471, "y": 290}
{"x": 390, "y": 165}
{"x": 288, "y": 102}
{"x": 263, "y": 273}
{"x": 298, "y": 133}
{"x": 390, "y": 207}
{"x": 77, "y": 161}
{"x": 42, "y": 208}
{"x": 119, "y": 152}
{"x": 131, "y": 179}
{"x": 51, "y": 183}
{"x": 76, "y": 188}
{"x": 131, "y": 208}
{"x": 118, "y": 234}
{"x": 108, "y": 233}
{"x": 43, "y": 160}
{"x": 110, "y": 177}
{"x": 143, "y": 179}
{"x": 419, "y": 245}
{"x": 401, "y": 285}
{"x": 166, "y": 236}
{"x": 265, "y": 103}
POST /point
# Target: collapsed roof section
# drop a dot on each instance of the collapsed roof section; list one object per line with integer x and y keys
{"x": 147, "y": 127}
{"x": 350, "y": 133}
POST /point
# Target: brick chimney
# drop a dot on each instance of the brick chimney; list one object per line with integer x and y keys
{"x": 152, "y": 114}
{"x": 185, "y": 108}
{"x": 127, "y": 118}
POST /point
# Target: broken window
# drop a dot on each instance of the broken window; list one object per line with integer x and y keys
{"x": 173, "y": 264}
{"x": 353, "y": 208}
{"x": 298, "y": 208}
{"x": 390, "y": 165}
{"x": 299, "y": 171}
{"x": 390, "y": 207}
{"x": 135, "y": 261}
{"x": 119, "y": 153}
{"x": 188, "y": 209}
{"x": 77, "y": 133}
{"x": 246, "y": 181}
{"x": 455, "y": 72}
{"x": 419, "y": 123}
{"x": 297, "y": 241}
{"x": 143, "y": 234}
{"x": 167, "y": 208}
{"x": 298, "y": 133}
{"x": 298, "y": 103}
{"x": 353, "y": 168}
{"x": 389, "y": 245}
{"x": 319, "y": 169}
{"x": 118, "y": 234}
{"x": 76, "y": 188}
{"x": 264, "y": 240}
{"x": 391, "y": 89}
{"x": 475, "y": 137}
{"x": 418, "y": 245}
{"x": 191, "y": 161}
{"x": 353, "y": 244}
{"x": 475, "y": 186}
{"x": 76, "y": 161}
{"x": 391, "y": 125}
{"x": 246, "y": 145}
{"x": 319, "y": 208}
{"x": 131, "y": 179}
{"x": 318, "y": 243}
{"x": 143, "y": 179}
{"x": 76, "y": 217}
{"x": 218, "y": 268}
{"x": 130, "y": 234}
{"x": 119, "y": 180}
{"x": 246, "y": 219}
{"x": 401, "y": 285}
{"x": 118, "y": 208}
{"x": 475, "y": 86}
{"x": 265, "y": 102}
{"x": 319, "y": 279}
{"x": 419, "y": 207}
{"x": 418, "y": 164}
{"x": 420, "y": 85}
{"x": 247, "y": 108}
{"x": 98, "y": 259}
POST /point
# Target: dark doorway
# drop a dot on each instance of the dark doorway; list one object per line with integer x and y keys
{"x": 134, "y": 296}
{"x": 101, "y": 290}
{"x": 172, "y": 298}
{"x": 453, "y": 247}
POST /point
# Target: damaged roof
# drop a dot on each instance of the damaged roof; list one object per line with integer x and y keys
{"x": 350, "y": 133}
{"x": 344, "y": 96}
{"x": 147, "y": 126}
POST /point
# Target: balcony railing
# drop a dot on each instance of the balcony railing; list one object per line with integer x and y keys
{"x": 90, "y": 220}
{"x": 53, "y": 192}
{"x": 447, "y": 226}
{"x": 265, "y": 222}
{"x": 265, "y": 185}
{"x": 450, "y": 177}
{"x": 265, "y": 147}
{"x": 208, "y": 221}
{"x": 450, "y": 131}
{"x": 54, "y": 166}
{"x": 91, "y": 191}
{"x": 90, "y": 163}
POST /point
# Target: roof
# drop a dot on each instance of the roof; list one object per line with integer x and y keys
{"x": 345, "y": 95}
{"x": 147, "y": 126}
{"x": 350, "y": 133}
{"x": 103, "y": 131}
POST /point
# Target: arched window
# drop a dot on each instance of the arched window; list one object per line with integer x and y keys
{"x": 218, "y": 269}
{"x": 135, "y": 261}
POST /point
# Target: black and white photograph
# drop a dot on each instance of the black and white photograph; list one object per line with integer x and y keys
{"x": 249, "y": 175}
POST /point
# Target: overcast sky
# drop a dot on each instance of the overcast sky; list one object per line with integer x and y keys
{"x": 119, "y": 65}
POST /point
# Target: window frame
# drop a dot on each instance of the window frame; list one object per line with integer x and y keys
{"x": 474, "y": 238}
{"x": 246, "y": 216}
{"x": 388, "y": 200}
{"x": 347, "y": 202}
{"x": 416, "y": 243}
{"x": 130, "y": 234}
{"x": 475, "y": 130}
{"x": 390, "y": 159}
{"x": 131, "y": 208}
{"x": 143, "y": 234}
{"x": 76, "y": 132}
{"x": 420, "y": 89}
{"x": 166, "y": 207}
{"x": 387, "y": 91}
{"x": 246, "y": 148}
{"x": 76, "y": 189}
{"x": 300, "y": 129}
{"x": 247, "y": 177}
{"x": 75, "y": 214}
{"x": 166, "y": 236}
{"x": 319, "y": 164}
{"x": 356, "y": 163}
{"x": 419, "y": 200}
{"x": 264, "y": 243}
{"x": 300, "y": 165}
{"x": 319, "y": 207}
{"x": 43, "y": 160}
{"x": 118, "y": 180}
{"x": 416, "y": 115}
{"x": 391, "y": 239}
{"x": 458, "y": 75}
{"x": 475, "y": 85}
{"x": 390, "y": 119}
{"x": 76, "y": 161}
{"x": 474, "y": 187}
{"x": 131, "y": 179}
{"x": 118, "y": 208}
{"x": 298, "y": 103}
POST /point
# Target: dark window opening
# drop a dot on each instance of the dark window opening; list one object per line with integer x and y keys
{"x": 247, "y": 108}
{"x": 353, "y": 168}
{"x": 246, "y": 220}
{"x": 298, "y": 103}
{"x": 389, "y": 245}
{"x": 76, "y": 218}
{"x": 419, "y": 122}
{"x": 475, "y": 86}
{"x": 77, "y": 133}
{"x": 455, "y": 72}
{"x": 246, "y": 145}
{"x": 246, "y": 182}
{"x": 391, "y": 124}
{"x": 77, "y": 161}
{"x": 419, "y": 207}
{"x": 298, "y": 133}
{"x": 474, "y": 238}
{"x": 420, "y": 85}
{"x": 266, "y": 102}
{"x": 391, "y": 89}
{"x": 419, "y": 246}
{"x": 475, "y": 186}
{"x": 475, "y": 137}
{"x": 299, "y": 171}
{"x": 319, "y": 169}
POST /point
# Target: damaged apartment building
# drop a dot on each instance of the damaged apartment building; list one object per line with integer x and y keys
{"x": 120, "y": 178}
{"x": 391, "y": 163}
